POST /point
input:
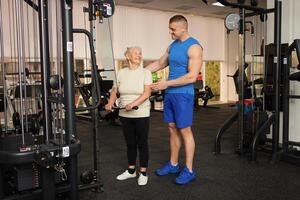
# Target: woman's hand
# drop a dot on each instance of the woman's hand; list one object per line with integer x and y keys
{"x": 129, "y": 107}
{"x": 109, "y": 107}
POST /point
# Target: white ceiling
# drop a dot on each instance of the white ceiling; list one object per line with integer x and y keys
{"x": 193, "y": 7}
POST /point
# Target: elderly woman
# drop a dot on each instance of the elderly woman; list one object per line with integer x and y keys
{"x": 133, "y": 86}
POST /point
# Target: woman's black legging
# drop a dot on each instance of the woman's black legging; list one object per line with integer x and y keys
{"x": 135, "y": 131}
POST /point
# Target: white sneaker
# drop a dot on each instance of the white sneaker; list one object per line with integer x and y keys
{"x": 126, "y": 175}
{"x": 142, "y": 180}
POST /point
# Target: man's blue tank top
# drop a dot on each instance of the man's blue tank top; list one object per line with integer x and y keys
{"x": 178, "y": 62}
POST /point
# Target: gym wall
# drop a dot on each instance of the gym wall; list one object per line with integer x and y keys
{"x": 149, "y": 29}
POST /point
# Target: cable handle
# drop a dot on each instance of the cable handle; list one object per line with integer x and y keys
{"x": 122, "y": 108}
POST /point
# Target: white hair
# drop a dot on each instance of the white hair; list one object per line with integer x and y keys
{"x": 128, "y": 49}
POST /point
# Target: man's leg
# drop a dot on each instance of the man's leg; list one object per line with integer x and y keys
{"x": 187, "y": 174}
{"x": 183, "y": 109}
{"x": 189, "y": 146}
{"x": 172, "y": 166}
{"x": 175, "y": 143}
{"x": 184, "y": 120}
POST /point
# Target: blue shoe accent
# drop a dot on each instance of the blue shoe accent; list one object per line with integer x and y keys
{"x": 185, "y": 176}
{"x": 168, "y": 168}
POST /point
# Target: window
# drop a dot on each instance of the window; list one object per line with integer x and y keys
{"x": 212, "y": 78}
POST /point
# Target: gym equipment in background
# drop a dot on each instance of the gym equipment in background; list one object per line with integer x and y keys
{"x": 39, "y": 143}
{"x": 239, "y": 116}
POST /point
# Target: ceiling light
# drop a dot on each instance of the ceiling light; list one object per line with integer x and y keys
{"x": 217, "y": 4}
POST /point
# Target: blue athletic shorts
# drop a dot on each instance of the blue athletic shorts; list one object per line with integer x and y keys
{"x": 178, "y": 109}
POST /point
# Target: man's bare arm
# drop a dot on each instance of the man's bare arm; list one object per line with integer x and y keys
{"x": 161, "y": 63}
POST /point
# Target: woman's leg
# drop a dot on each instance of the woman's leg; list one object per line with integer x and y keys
{"x": 142, "y": 130}
{"x": 128, "y": 126}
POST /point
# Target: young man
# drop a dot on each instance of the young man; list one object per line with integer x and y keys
{"x": 184, "y": 57}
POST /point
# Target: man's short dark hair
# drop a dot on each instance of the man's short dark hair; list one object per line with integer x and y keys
{"x": 178, "y": 18}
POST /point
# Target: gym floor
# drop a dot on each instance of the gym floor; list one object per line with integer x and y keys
{"x": 227, "y": 176}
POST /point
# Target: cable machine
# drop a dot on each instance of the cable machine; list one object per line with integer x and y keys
{"x": 238, "y": 22}
{"x": 38, "y": 155}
